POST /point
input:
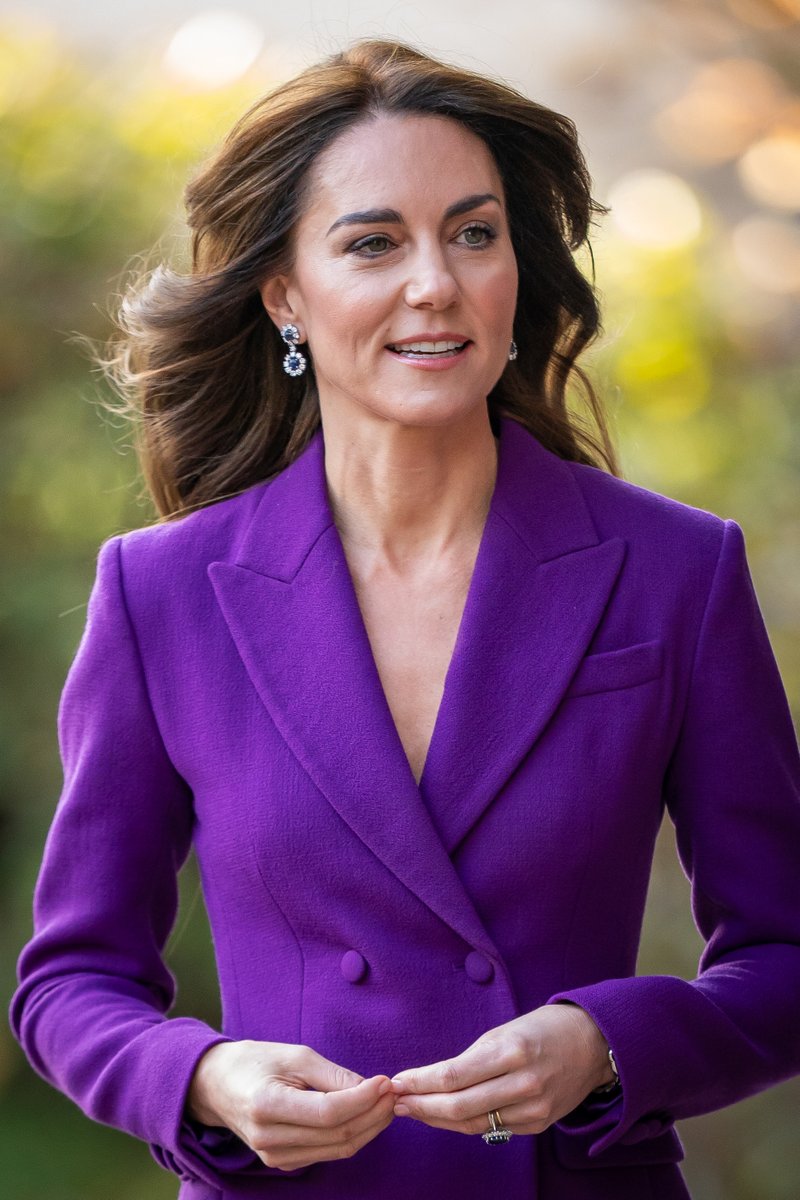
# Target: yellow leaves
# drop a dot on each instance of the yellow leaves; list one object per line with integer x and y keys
{"x": 161, "y": 122}
{"x": 664, "y": 373}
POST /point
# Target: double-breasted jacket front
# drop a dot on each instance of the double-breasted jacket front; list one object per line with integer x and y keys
{"x": 611, "y": 663}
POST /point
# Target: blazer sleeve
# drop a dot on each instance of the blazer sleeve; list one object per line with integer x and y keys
{"x": 732, "y": 789}
{"x": 90, "y": 1009}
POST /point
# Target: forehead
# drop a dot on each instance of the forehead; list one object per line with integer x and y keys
{"x": 384, "y": 159}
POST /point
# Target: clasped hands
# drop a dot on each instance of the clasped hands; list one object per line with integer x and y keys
{"x": 293, "y": 1107}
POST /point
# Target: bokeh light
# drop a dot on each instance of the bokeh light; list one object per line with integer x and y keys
{"x": 767, "y": 251}
{"x": 770, "y": 170}
{"x": 655, "y": 208}
{"x": 213, "y": 49}
{"x": 729, "y": 102}
{"x": 766, "y": 14}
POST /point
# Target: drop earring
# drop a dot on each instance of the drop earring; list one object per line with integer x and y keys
{"x": 294, "y": 363}
{"x": 512, "y": 354}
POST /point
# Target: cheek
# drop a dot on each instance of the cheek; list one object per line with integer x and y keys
{"x": 342, "y": 309}
{"x": 499, "y": 296}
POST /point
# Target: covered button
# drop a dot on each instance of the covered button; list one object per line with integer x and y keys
{"x": 479, "y": 967}
{"x": 353, "y": 966}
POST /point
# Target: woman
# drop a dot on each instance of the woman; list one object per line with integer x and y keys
{"x": 416, "y": 676}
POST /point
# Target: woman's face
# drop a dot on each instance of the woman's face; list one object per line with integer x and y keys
{"x": 404, "y": 239}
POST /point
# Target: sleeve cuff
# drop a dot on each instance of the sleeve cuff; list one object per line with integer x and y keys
{"x": 207, "y": 1153}
{"x": 609, "y": 1118}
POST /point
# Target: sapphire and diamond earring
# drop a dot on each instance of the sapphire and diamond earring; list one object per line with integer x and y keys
{"x": 294, "y": 363}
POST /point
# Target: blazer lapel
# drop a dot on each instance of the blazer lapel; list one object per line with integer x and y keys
{"x": 541, "y": 582}
{"x": 290, "y": 605}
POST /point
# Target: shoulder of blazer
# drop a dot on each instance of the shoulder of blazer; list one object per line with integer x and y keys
{"x": 208, "y": 529}
{"x": 665, "y": 526}
{"x": 158, "y": 555}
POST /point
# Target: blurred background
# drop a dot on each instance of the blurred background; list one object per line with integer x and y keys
{"x": 689, "y": 115}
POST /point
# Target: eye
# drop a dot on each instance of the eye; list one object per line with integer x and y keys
{"x": 484, "y": 232}
{"x": 360, "y": 247}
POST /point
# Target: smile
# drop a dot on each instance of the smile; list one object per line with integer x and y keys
{"x": 428, "y": 350}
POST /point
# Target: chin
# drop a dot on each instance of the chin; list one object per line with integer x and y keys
{"x": 431, "y": 411}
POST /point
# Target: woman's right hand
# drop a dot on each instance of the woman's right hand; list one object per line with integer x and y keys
{"x": 262, "y": 1092}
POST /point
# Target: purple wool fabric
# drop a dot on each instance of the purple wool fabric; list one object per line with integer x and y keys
{"x": 611, "y": 662}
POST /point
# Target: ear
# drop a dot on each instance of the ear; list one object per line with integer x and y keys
{"x": 275, "y": 298}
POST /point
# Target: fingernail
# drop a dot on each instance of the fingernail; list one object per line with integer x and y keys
{"x": 401, "y": 1110}
{"x": 385, "y": 1087}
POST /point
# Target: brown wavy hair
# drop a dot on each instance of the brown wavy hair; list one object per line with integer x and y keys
{"x": 197, "y": 363}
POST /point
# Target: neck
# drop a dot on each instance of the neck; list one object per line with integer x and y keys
{"x": 406, "y": 495}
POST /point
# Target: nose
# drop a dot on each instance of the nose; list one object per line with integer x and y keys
{"x": 431, "y": 283}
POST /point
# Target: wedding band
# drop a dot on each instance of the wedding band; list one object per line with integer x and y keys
{"x": 498, "y": 1135}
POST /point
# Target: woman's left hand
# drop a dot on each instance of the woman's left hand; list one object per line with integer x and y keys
{"x": 534, "y": 1070}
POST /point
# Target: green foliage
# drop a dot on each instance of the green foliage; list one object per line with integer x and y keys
{"x": 93, "y": 165}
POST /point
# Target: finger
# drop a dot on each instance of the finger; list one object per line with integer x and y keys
{"x": 479, "y": 1062}
{"x": 290, "y": 1105}
{"x": 278, "y": 1136}
{"x": 526, "y": 1124}
{"x": 526, "y": 1115}
{"x": 288, "y": 1159}
{"x": 315, "y": 1071}
{"x": 455, "y": 1107}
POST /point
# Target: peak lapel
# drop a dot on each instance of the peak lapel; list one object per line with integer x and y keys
{"x": 541, "y": 582}
{"x": 289, "y": 602}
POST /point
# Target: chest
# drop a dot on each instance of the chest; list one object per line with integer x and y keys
{"x": 412, "y": 626}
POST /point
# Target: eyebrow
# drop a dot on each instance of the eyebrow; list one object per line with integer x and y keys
{"x": 390, "y": 216}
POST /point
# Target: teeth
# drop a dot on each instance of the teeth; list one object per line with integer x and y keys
{"x": 427, "y": 347}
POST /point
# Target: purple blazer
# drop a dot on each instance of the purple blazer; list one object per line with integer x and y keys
{"x": 611, "y": 660}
